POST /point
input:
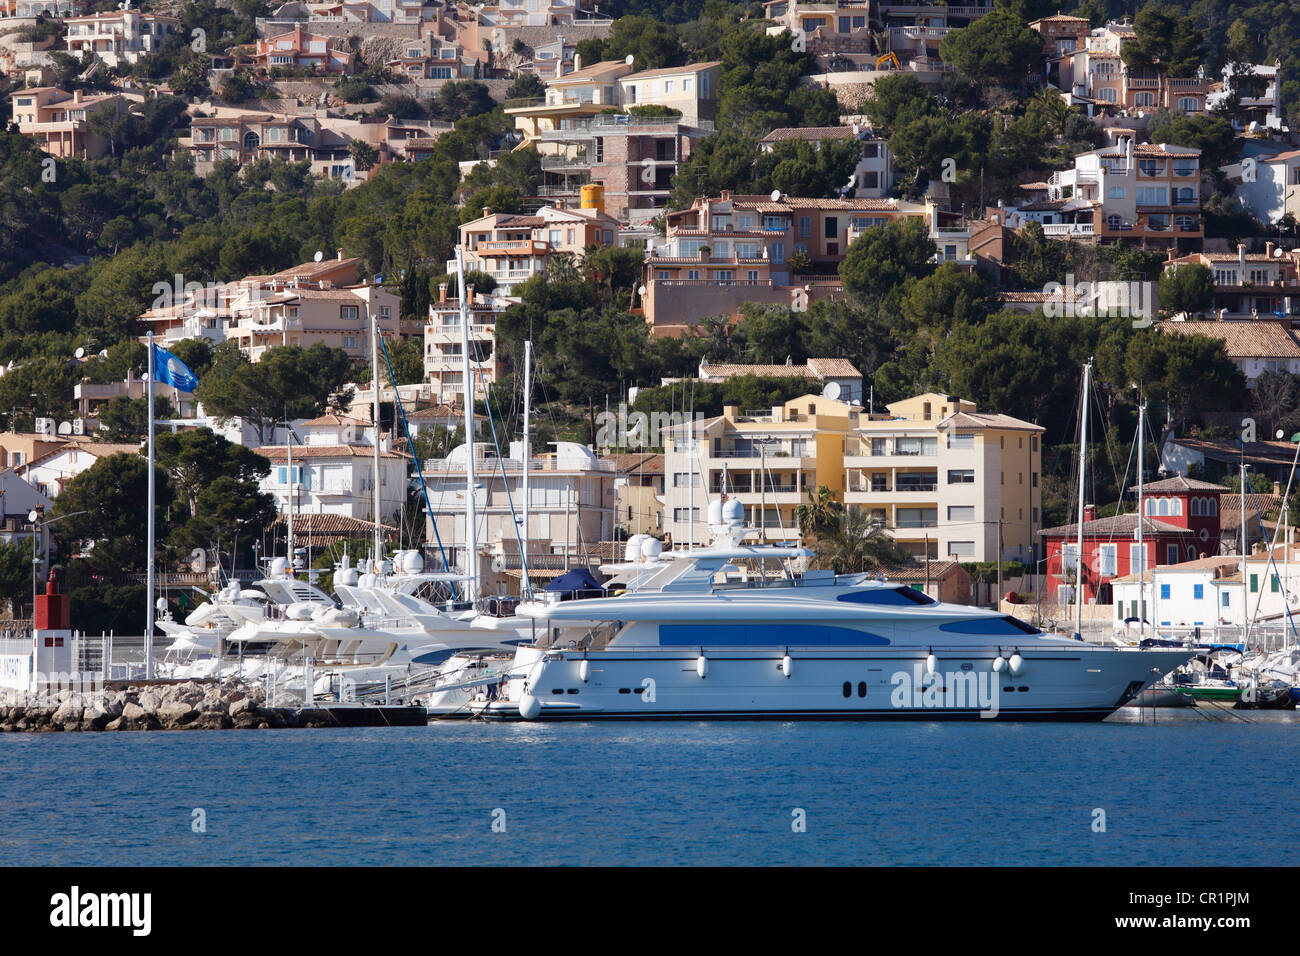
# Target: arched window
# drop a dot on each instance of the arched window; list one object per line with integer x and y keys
{"x": 1175, "y": 506}
{"x": 1194, "y": 507}
{"x": 1213, "y": 505}
{"x": 251, "y": 141}
{"x": 1189, "y": 104}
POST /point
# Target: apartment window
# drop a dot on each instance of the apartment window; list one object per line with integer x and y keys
{"x": 1198, "y": 592}
{"x": 1136, "y": 558}
{"x": 1171, "y": 554}
{"x": 1144, "y": 99}
{"x": 805, "y": 227}
{"x": 1225, "y": 276}
{"x": 1185, "y": 167}
{"x": 1164, "y": 592}
{"x": 349, "y": 341}
{"x": 859, "y": 22}
{"x": 961, "y": 512}
{"x": 747, "y": 250}
{"x": 916, "y": 446}
{"x": 692, "y": 273}
{"x": 1114, "y": 192}
{"x": 282, "y": 474}
{"x": 753, "y": 275}
{"x": 1106, "y": 560}
{"x": 961, "y": 549}
{"x": 724, "y": 275}
{"x": 1188, "y": 104}
{"x": 686, "y": 514}
{"x": 669, "y": 86}
{"x": 688, "y": 84}
{"x": 686, "y": 479}
{"x": 961, "y": 441}
{"x": 1152, "y": 196}
{"x": 1272, "y": 583}
{"x": 555, "y": 237}
{"x": 1225, "y": 601}
{"x": 831, "y": 227}
{"x": 844, "y": 24}
{"x": 384, "y": 312}
{"x": 961, "y": 476}
{"x": 1254, "y": 583}
{"x": 776, "y": 251}
{"x": 1151, "y": 167}
{"x": 349, "y": 312}
{"x": 1033, "y": 479}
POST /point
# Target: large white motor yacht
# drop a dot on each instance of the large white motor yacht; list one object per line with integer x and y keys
{"x": 712, "y": 634}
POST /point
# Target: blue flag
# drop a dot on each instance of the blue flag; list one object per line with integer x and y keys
{"x": 170, "y": 370}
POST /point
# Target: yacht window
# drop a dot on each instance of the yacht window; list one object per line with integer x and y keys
{"x": 893, "y": 597}
{"x": 989, "y": 626}
{"x": 862, "y": 688}
{"x": 848, "y": 689}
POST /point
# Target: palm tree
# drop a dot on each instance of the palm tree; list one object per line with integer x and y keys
{"x": 820, "y": 515}
{"x": 858, "y": 543}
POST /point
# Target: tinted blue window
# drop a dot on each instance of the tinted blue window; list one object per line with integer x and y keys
{"x": 891, "y": 597}
{"x": 1198, "y": 591}
{"x": 989, "y": 626}
{"x": 1164, "y": 592}
{"x": 678, "y": 635}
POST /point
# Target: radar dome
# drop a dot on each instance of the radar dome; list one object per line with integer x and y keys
{"x": 412, "y": 562}
{"x": 715, "y": 511}
{"x": 733, "y": 512}
{"x": 633, "y": 550}
{"x": 651, "y": 548}
{"x": 278, "y": 567}
{"x": 346, "y": 577}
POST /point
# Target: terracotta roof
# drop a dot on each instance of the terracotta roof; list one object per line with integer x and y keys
{"x": 1242, "y": 339}
{"x": 785, "y": 133}
{"x": 1230, "y": 509}
{"x": 331, "y": 525}
{"x": 908, "y": 573}
{"x": 1213, "y": 562}
{"x": 590, "y": 72}
{"x": 332, "y": 419}
{"x": 1275, "y": 452}
{"x": 1059, "y": 18}
{"x": 309, "y": 269}
{"x": 1180, "y": 483}
{"x": 833, "y": 368}
{"x": 277, "y": 452}
{"x": 638, "y": 462}
{"x": 1116, "y": 526}
{"x": 672, "y": 70}
{"x": 1029, "y": 296}
{"x": 982, "y": 420}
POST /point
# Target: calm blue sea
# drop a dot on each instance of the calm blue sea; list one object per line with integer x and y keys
{"x": 673, "y": 793}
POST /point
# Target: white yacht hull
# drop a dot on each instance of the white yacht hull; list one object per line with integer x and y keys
{"x": 1069, "y": 681}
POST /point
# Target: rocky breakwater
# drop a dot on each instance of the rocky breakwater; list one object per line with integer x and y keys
{"x": 189, "y": 705}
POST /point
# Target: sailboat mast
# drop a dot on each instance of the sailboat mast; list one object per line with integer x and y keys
{"x": 528, "y": 450}
{"x": 1245, "y": 615}
{"x": 1142, "y": 593}
{"x": 374, "y": 418}
{"x": 467, "y": 387}
{"x": 1083, "y": 461}
{"x": 293, "y": 489}
{"x": 149, "y": 557}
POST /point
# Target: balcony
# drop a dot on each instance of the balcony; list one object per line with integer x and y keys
{"x": 493, "y": 248}
{"x": 1068, "y": 229}
{"x": 1142, "y": 83}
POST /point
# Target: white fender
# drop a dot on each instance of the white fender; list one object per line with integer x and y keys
{"x": 1016, "y": 665}
{"x": 787, "y": 665}
{"x": 529, "y": 707}
{"x": 930, "y": 663}
{"x": 584, "y": 670}
{"x": 998, "y": 664}
{"x": 702, "y": 666}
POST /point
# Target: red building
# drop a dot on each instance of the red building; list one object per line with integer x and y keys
{"x": 1181, "y": 524}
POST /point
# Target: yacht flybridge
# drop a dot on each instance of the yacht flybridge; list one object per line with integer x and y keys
{"x": 734, "y": 631}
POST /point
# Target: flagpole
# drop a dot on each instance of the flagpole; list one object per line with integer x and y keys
{"x": 148, "y": 576}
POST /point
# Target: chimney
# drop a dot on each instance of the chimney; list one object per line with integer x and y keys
{"x": 442, "y": 292}
{"x": 1268, "y": 249}
{"x": 1089, "y": 513}
{"x": 1241, "y": 262}
{"x": 340, "y": 254}
{"x": 76, "y": 96}
{"x": 1277, "y": 489}
{"x": 577, "y": 61}
{"x": 487, "y": 211}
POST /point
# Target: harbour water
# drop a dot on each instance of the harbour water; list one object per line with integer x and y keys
{"x": 1176, "y": 792}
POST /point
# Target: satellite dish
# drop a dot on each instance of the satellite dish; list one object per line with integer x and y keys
{"x": 1280, "y": 433}
{"x": 776, "y": 195}
{"x": 103, "y": 353}
{"x": 80, "y": 353}
{"x": 498, "y": 564}
{"x": 33, "y": 516}
{"x": 319, "y": 256}
{"x": 640, "y": 290}
{"x": 628, "y": 59}
{"x": 65, "y": 428}
{"x": 1278, "y": 253}
{"x": 831, "y": 391}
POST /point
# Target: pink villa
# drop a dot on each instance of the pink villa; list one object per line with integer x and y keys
{"x": 298, "y": 49}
